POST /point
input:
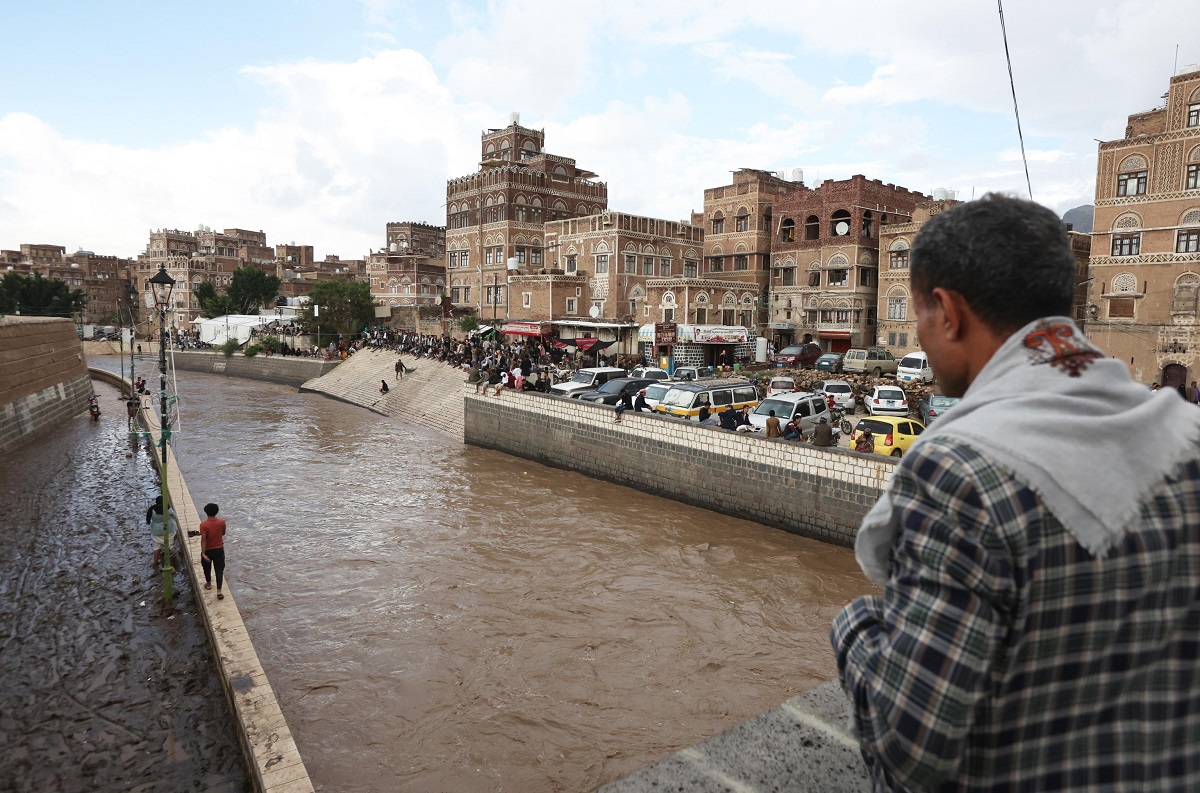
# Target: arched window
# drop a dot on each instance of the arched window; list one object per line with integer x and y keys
{"x": 812, "y": 228}
{"x": 868, "y": 224}
{"x": 787, "y": 230}
{"x": 718, "y": 222}
{"x": 1184, "y": 297}
{"x": 897, "y": 304}
{"x": 741, "y": 221}
{"x": 1125, "y": 282}
{"x": 1131, "y": 176}
{"x": 839, "y": 223}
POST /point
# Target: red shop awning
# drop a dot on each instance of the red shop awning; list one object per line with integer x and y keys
{"x": 834, "y": 334}
{"x": 587, "y": 345}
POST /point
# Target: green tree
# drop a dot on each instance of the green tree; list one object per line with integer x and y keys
{"x": 211, "y": 303}
{"x": 468, "y": 323}
{"x": 49, "y": 297}
{"x": 345, "y": 307}
{"x": 250, "y": 289}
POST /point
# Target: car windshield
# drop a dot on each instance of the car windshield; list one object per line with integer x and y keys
{"x": 613, "y": 386}
{"x": 890, "y": 393}
{"x": 655, "y": 374}
{"x": 829, "y": 357}
{"x": 790, "y": 351}
{"x": 656, "y": 391}
{"x": 783, "y": 382}
{"x": 780, "y": 407}
{"x": 838, "y": 388}
{"x": 583, "y": 377}
{"x": 944, "y": 401}
{"x": 875, "y": 426}
{"x": 912, "y": 362}
{"x": 678, "y": 398}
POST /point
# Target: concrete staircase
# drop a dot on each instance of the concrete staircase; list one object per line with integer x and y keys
{"x": 430, "y": 395}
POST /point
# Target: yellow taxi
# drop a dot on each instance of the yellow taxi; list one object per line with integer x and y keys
{"x": 893, "y": 434}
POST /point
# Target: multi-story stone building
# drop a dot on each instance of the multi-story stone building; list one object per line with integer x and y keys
{"x": 420, "y": 239}
{"x": 406, "y": 279}
{"x": 497, "y": 214}
{"x": 897, "y": 325}
{"x": 738, "y": 222}
{"x": 597, "y": 282}
{"x": 106, "y": 285}
{"x": 1146, "y": 240}
{"x": 825, "y": 260}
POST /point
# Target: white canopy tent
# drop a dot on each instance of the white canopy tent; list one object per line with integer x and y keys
{"x": 232, "y": 326}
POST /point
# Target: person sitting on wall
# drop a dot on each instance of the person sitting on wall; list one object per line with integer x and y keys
{"x": 729, "y": 418}
{"x": 823, "y": 434}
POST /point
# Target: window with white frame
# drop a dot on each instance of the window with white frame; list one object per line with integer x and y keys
{"x": 690, "y": 267}
{"x": 647, "y": 265}
{"x": 526, "y": 299}
{"x": 572, "y": 263}
{"x": 572, "y": 305}
{"x": 664, "y": 268}
{"x": 1193, "y": 177}
{"x": 630, "y": 263}
{"x": 601, "y": 263}
{"x": 897, "y": 307}
{"x": 1193, "y": 115}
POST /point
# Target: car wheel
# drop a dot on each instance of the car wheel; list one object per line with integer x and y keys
{"x": 876, "y": 372}
{"x": 897, "y": 453}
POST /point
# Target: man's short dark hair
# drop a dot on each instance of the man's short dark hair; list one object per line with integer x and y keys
{"x": 1009, "y": 258}
{"x": 211, "y": 509}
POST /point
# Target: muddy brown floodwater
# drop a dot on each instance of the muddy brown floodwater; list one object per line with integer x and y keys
{"x": 436, "y": 617}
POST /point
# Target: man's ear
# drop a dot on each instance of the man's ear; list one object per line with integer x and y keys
{"x": 953, "y": 313}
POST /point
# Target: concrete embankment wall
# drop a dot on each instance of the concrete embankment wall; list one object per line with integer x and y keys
{"x": 272, "y": 760}
{"x": 817, "y": 493}
{"x": 43, "y": 377}
{"x": 281, "y": 369}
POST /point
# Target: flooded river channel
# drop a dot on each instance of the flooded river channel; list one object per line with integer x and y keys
{"x": 436, "y": 617}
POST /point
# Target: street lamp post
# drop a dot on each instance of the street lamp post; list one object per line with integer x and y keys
{"x": 164, "y": 284}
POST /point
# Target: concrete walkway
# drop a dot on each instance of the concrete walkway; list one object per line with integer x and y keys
{"x": 430, "y": 395}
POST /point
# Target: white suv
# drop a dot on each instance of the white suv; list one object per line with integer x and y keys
{"x": 587, "y": 380}
{"x": 649, "y": 373}
{"x": 841, "y": 391}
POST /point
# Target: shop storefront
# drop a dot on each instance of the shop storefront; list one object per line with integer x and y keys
{"x": 701, "y": 345}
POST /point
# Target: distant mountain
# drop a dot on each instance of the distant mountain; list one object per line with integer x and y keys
{"x": 1080, "y": 218}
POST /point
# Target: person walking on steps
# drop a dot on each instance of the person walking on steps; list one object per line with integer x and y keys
{"x": 383, "y": 387}
{"x": 212, "y": 548}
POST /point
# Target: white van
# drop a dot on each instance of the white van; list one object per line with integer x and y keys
{"x": 914, "y": 367}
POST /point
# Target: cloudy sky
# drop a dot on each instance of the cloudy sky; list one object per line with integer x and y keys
{"x": 320, "y": 120}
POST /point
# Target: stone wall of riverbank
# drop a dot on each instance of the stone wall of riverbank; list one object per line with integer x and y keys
{"x": 43, "y": 377}
{"x": 281, "y": 369}
{"x": 817, "y": 493}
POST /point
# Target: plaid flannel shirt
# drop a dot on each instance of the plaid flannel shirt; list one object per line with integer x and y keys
{"x": 1004, "y": 656}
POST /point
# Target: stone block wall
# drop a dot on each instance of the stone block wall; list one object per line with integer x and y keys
{"x": 281, "y": 369}
{"x": 818, "y": 493}
{"x": 43, "y": 377}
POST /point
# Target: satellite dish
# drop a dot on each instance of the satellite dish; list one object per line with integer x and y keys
{"x": 594, "y": 312}
{"x": 842, "y": 228}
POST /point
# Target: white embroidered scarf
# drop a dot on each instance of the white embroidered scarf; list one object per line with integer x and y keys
{"x": 1067, "y": 422}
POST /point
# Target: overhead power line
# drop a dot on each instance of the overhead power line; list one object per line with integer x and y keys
{"x": 1013, "y": 86}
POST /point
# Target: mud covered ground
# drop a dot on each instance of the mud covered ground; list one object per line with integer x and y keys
{"x": 98, "y": 690}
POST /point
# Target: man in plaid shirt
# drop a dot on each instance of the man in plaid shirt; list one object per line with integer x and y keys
{"x": 1038, "y": 548}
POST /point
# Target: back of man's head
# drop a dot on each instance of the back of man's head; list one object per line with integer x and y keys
{"x": 1010, "y": 259}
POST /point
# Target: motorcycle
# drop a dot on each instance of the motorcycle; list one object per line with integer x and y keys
{"x": 837, "y": 417}
{"x": 94, "y": 408}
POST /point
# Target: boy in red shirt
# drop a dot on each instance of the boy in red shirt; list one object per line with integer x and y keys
{"x": 212, "y": 547}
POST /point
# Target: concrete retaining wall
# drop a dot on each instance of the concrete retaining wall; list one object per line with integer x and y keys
{"x": 272, "y": 760}
{"x": 281, "y": 369}
{"x": 817, "y": 493}
{"x": 43, "y": 377}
